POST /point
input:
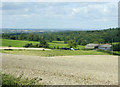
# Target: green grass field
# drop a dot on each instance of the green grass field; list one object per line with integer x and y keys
{"x": 20, "y": 43}
{"x": 61, "y": 44}
{"x": 15, "y": 43}
{"x": 54, "y": 52}
{"x": 115, "y": 43}
{"x": 116, "y": 53}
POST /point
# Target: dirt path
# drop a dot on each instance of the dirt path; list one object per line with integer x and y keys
{"x": 77, "y": 70}
{"x": 22, "y": 48}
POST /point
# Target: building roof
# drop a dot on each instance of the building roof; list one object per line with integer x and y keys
{"x": 91, "y": 45}
{"x": 105, "y": 45}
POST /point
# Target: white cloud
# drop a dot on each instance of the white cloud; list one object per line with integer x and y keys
{"x": 1, "y": 5}
{"x": 61, "y": 9}
{"x": 59, "y": 0}
{"x": 105, "y": 9}
{"x": 26, "y": 9}
{"x": 80, "y": 10}
{"x": 69, "y": 12}
{"x": 75, "y": 10}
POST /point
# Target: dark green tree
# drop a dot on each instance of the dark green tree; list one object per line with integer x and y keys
{"x": 30, "y": 37}
{"x": 44, "y": 44}
{"x": 72, "y": 43}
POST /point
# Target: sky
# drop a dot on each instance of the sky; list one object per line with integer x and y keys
{"x": 59, "y": 15}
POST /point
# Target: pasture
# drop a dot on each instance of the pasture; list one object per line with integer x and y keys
{"x": 21, "y": 43}
{"x": 54, "y": 52}
{"x": 15, "y": 43}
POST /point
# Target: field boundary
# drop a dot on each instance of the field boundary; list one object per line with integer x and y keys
{"x": 19, "y": 48}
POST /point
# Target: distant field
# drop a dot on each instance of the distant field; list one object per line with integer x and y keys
{"x": 16, "y": 43}
{"x": 61, "y": 44}
{"x": 56, "y": 44}
{"x": 115, "y": 43}
{"x": 116, "y": 53}
{"x": 20, "y": 43}
{"x": 54, "y": 52}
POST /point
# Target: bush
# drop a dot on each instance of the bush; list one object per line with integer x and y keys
{"x": 57, "y": 47}
{"x": 9, "y": 46}
{"x": 44, "y": 44}
{"x": 28, "y": 45}
{"x": 37, "y": 46}
{"x": 116, "y": 47}
{"x": 11, "y": 80}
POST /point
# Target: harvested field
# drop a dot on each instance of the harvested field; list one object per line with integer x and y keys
{"x": 64, "y": 70}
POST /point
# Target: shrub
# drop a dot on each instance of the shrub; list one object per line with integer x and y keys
{"x": 57, "y": 47}
{"x": 28, "y": 45}
{"x": 44, "y": 44}
{"x": 9, "y": 46}
{"x": 116, "y": 47}
{"x": 11, "y": 80}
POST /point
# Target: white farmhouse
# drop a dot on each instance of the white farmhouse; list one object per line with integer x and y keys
{"x": 105, "y": 47}
{"x": 92, "y": 46}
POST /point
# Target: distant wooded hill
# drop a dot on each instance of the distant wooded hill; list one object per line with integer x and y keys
{"x": 80, "y": 37}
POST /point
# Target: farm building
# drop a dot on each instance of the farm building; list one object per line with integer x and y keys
{"x": 92, "y": 46}
{"x": 98, "y": 46}
{"x": 105, "y": 47}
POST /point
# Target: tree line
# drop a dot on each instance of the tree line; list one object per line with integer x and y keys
{"x": 79, "y": 37}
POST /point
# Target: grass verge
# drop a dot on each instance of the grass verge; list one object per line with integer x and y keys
{"x": 54, "y": 52}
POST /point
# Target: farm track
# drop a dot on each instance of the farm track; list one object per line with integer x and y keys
{"x": 21, "y": 48}
{"x": 64, "y": 70}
